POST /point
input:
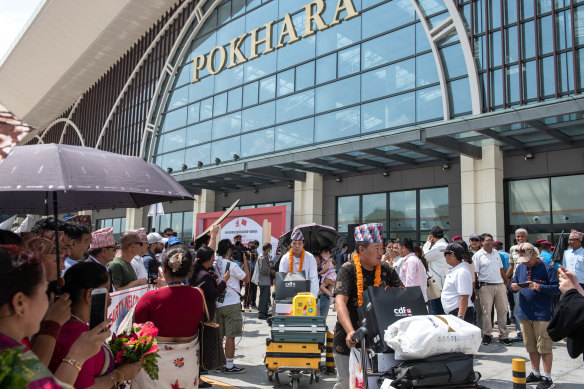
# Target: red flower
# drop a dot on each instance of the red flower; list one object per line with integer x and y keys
{"x": 153, "y": 349}
{"x": 148, "y": 329}
{"x": 179, "y": 362}
{"x": 119, "y": 357}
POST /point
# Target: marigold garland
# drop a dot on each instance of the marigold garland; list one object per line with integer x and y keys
{"x": 291, "y": 265}
{"x": 359, "y": 272}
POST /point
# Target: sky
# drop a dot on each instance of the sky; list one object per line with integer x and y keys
{"x": 14, "y": 14}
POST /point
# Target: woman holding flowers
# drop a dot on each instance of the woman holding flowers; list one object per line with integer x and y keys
{"x": 176, "y": 310}
{"x": 23, "y": 303}
{"x": 100, "y": 370}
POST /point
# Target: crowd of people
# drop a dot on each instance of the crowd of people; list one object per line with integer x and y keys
{"x": 464, "y": 280}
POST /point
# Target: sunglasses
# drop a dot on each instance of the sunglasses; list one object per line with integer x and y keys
{"x": 447, "y": 253}
{"x": 474, "y": 239}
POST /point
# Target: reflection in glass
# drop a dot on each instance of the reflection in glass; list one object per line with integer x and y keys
{"x": 234, "y": 99}
{"x": 389, "y": 15}
{"x": 349, "y": 61}
{"x": 220, "y": 104}
{"x": 402, "y": 210}
{"x": 426, "y": 72}
{"x": 250, "y": 94}
{"x": 388, "y": 80}
{"x": 344, "y": 34}
{"x": 375, "y": 52}
{"x": 326, "y": 68}
{"x": 339, "y": 124}
{"x": 453, "y": 61}
{"x": 374, "y": 208}
{"x": 258, "y": 116}
{"x": 256, "y": 143}
{"x": 268, "y": 88}
{"x": 387, "y": 113}
{"x": 295, "y": 134}
{"x": 206, "y": 109}
{"x": 285, "y": 82}
{"x": 295, "y": 106}
{"x": 199, "y": 133}
{"x": 512, "y": 84}
{"x": 224, "y": 149}
{"x": 193, "y": 113}
{"x": 347, "y": 212}
{"x": 529, "y": 202}
{"x": 174, "y": 119}
{"x": 177, "y": 222}
{"x": 227, "y": 125}
{"x": 187, "y": 230}
{"x": 178, "y": 97}
{"x": 429, "y": 104}
{"x": 328, "y": 96}
{"x": 305, "y": 76}
{"x": 201, "y": 89}
{"x": 199, "y": 153}
{"x": 434, "y": 208}
{"x": 567, "y": 199}
{"x": 172, "y": 140}
{"x": 459, "y": 95}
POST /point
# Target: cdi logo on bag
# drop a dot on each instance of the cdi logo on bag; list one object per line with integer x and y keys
{"x": 290, "y": 284}
{"x": 403, "y": 311}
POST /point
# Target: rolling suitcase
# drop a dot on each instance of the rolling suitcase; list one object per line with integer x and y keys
{"x": 304, "y": 355}
{"x": 304, "y": 304}
{"x": 299, "y": 329}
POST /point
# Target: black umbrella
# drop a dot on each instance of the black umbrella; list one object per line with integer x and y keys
{"x": 316, "y": 238}
{"x": 558, "y": 253}
{"x": 79, "y": 178}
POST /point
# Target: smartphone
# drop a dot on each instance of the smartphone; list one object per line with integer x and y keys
{"x": 523, "y": 284}
{"x": 97, "y": 310}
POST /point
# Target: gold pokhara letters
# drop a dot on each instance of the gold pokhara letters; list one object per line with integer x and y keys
{"x": 233, "y": 56}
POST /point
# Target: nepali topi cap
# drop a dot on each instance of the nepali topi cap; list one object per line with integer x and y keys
{"x": 83, "y": 219}
{"x": 372, "y": 233}
{"x": 103, "y": 238}
{"x": 576, "y": 235}
{"x": 297, "y": 234}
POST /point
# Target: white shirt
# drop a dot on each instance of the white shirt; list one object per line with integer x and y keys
{"x": 232, "y": 295}
{"x": 488, "y": 266}
{"x": 309, "y": 268}
{"x": 139, "y": 268}
{"x": 437, "y": 266}
{"x": 458, "y": 282}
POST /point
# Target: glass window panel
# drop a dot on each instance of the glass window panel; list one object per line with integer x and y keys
{"x": 340, "y": 35}
{"x": 496, "y": 87}
{"x": 228, "y": 77}
{"x": 478, "y": 17}
{"x": 426, "y": 72}
{"x": 305, "y": 76}
{"x": 259, "y": 67}
{"x": 580, "y": 70}
{"x": 117, "y": 224}
{"x": 177, "y": 222}
{"x": 495, "y": 48}
{"x": 388, "y": 80}
{"x": 529, "y": 202}
{"x": 479, "y": 51}
{"x": 526, "y": 8}
{"x": 567, "y": 199}
{"x": 259, "y": 116}
{"x": 173, "y": 140}
{"x": 563, "y": 30}
{"x": 173, "y": 160}
{"x": 232, "y": 29}
{"x": 224, "y": 14}
{"x": 375, "y": 51}
{"x": 163, "y": 222}
{"x": 227, "y": 125}
{"x": 434, "y": 208}
{"x": 295, "y": 106}
{"x": 257, "y": 143}
{"x": 389, "y": 15}
{"x": 220, "y": 104}
{"x": 429, "y": 104}
{"x": 298, "y": 51}
{"x": 178, "y": 97}
{"x": 338, "y": 124}
{"x": 199, "y": 133}
{"x": 431, "y": 7}
{"x": 402, "y": 211}
{"x": 579, "y": 25}
{"x": 510, "y": 11}
{"x": 511, "y": 47}
{"x": 546, "y": 39}
{"x": 494, "y": 14}
{"x": 544, "y": 6}
{"x": 289, "y": 6}
{"x": 224, "y": 149}
{"x": 234, "y": 99}
{"x": 201, "y": 88}
{"x": 206, "y": 109}
{"x": 422, "y": 43}
{"x": 250, "y": 94}
{"x": 184, "y": 74}
{"x": 460, "y": 100}
{"x": 349, "y": 61}
{"x": 326, "y": 68}
{"x": 260, "y": 16}
{"x": 512, "y": 84}
{"x": 528, "y": 41}
{"x": 546, "y": 72}
{"x": 565, "y": 72}
{"x": 268, "y": 88}
{"x": 187, "y": 230}
{"x": 338, "y": 94}
{"x": 374, "y": 208}
{"x": 453, "y": 60}
{"x": 199, "y": 153}
{"x": 108, "y": 223}
{"x": 174, "y": 119}
{"x": 193, "y": 113}
{"x": 210, "y": 24}
{"x": 529, "y": 79}
{"x": 286, "y": 82}
{"x": 295, "y": 134}
{"x": 347, "y": 212}
{"x": 388, "y": 113}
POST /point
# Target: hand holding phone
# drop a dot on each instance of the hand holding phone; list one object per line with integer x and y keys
{"x": 523, "y": 284}
{"x": 98, "y": 307}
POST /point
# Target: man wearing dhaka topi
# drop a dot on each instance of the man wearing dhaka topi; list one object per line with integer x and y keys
{"x": 298, "y": 259}
{"x": 366, "y": 269}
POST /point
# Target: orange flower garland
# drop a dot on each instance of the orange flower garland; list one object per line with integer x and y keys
{"x": 291, "y": 265}
{"x": 359, "y": 271}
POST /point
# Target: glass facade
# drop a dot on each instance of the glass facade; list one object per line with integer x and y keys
{"x": 180, "y": 222}
{"x": 545, "y": 206}
{"x": 410, "y": 213}
{"x": 119, "y": 225}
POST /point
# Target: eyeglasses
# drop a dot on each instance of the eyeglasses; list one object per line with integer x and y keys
{"x": 110, "y": 247}
{"x": 447, "y": 253}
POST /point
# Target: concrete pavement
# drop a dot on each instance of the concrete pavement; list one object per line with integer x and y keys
{"x": 493, "y": 362}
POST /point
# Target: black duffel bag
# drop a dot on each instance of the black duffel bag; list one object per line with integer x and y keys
{"x": 289, "y": 285}
{"x": 439, "y": 371}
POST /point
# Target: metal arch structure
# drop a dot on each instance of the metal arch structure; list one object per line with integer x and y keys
{"x": 137, "y": 68}
{"x": 160, "y": 95}
{"x": 454, "y": 22}
{"x": 67, "y": 121}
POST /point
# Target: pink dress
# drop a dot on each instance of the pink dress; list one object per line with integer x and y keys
{"x": 413, "y": 273}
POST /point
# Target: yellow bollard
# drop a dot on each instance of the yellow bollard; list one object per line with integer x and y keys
{"x": 518, "y": 366}
{"x": 330, "y": 361}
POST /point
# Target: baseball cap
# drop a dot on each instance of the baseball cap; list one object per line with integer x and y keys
{"x": 154, "y": 237}
{"x": 455, "y": 248}
{"x": 173, "y": 240}
{"x": 525, "y": 250}
{"x": 545, "y": 243}
{"x": 457, "y": 237}
{"x": 474, "y": 236}
{"x": 498, "y": 242}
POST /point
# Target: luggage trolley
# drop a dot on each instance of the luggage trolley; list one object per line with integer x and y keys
{"x": 296, "y": 342}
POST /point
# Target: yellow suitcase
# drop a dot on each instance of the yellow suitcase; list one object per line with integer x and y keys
{"x": 304, "y": 304}
{"x": 299, "y": 355}
{"x": 295, "y": 348}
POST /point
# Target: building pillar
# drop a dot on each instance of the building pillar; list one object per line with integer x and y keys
{"x": 205, "y": 202}
{"x": 481, "y": 187}
{"x": 135, "y": 218}
{"x": 308, "y": 199}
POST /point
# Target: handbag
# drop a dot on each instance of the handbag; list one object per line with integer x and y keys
{"x": 255, "y": 277}
{"x": 433, "y": 292}
{"x": 211, "y": 345}
{"x": 289, "y": 285}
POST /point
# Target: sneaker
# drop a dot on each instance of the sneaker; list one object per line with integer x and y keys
{"x": 487, "y": 340}
{"x": 220, "y": 370}
{"x": 234, "y": 370}
{"x": 203, "y": 371}
{"x": 505, "y": 341}
{"x": 545, "y": 383}
{"x": 517, "y": 339}
{"x": 204, "y": 384}
{"x": 532, "y": 378}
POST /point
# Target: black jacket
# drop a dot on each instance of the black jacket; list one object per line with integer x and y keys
{"x": 568, "y": 322}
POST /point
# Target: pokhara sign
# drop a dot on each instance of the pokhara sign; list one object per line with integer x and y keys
{"x": 233, "y": 56}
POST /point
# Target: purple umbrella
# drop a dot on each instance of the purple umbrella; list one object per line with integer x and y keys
{"x": 80, "y": 178}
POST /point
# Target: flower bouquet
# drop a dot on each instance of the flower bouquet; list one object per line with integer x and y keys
{"x": 135, "y": 344}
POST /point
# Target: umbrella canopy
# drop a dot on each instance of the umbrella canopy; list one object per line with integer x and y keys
{"x": 316, "y": 238}
{"x": 83, "y": 178}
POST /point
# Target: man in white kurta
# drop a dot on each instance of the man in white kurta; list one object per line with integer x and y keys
{"x": 309, "y": 264}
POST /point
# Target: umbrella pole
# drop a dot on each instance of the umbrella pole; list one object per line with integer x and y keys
{"x": 47, "y": 204}
{"x": 56, "y": 218}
